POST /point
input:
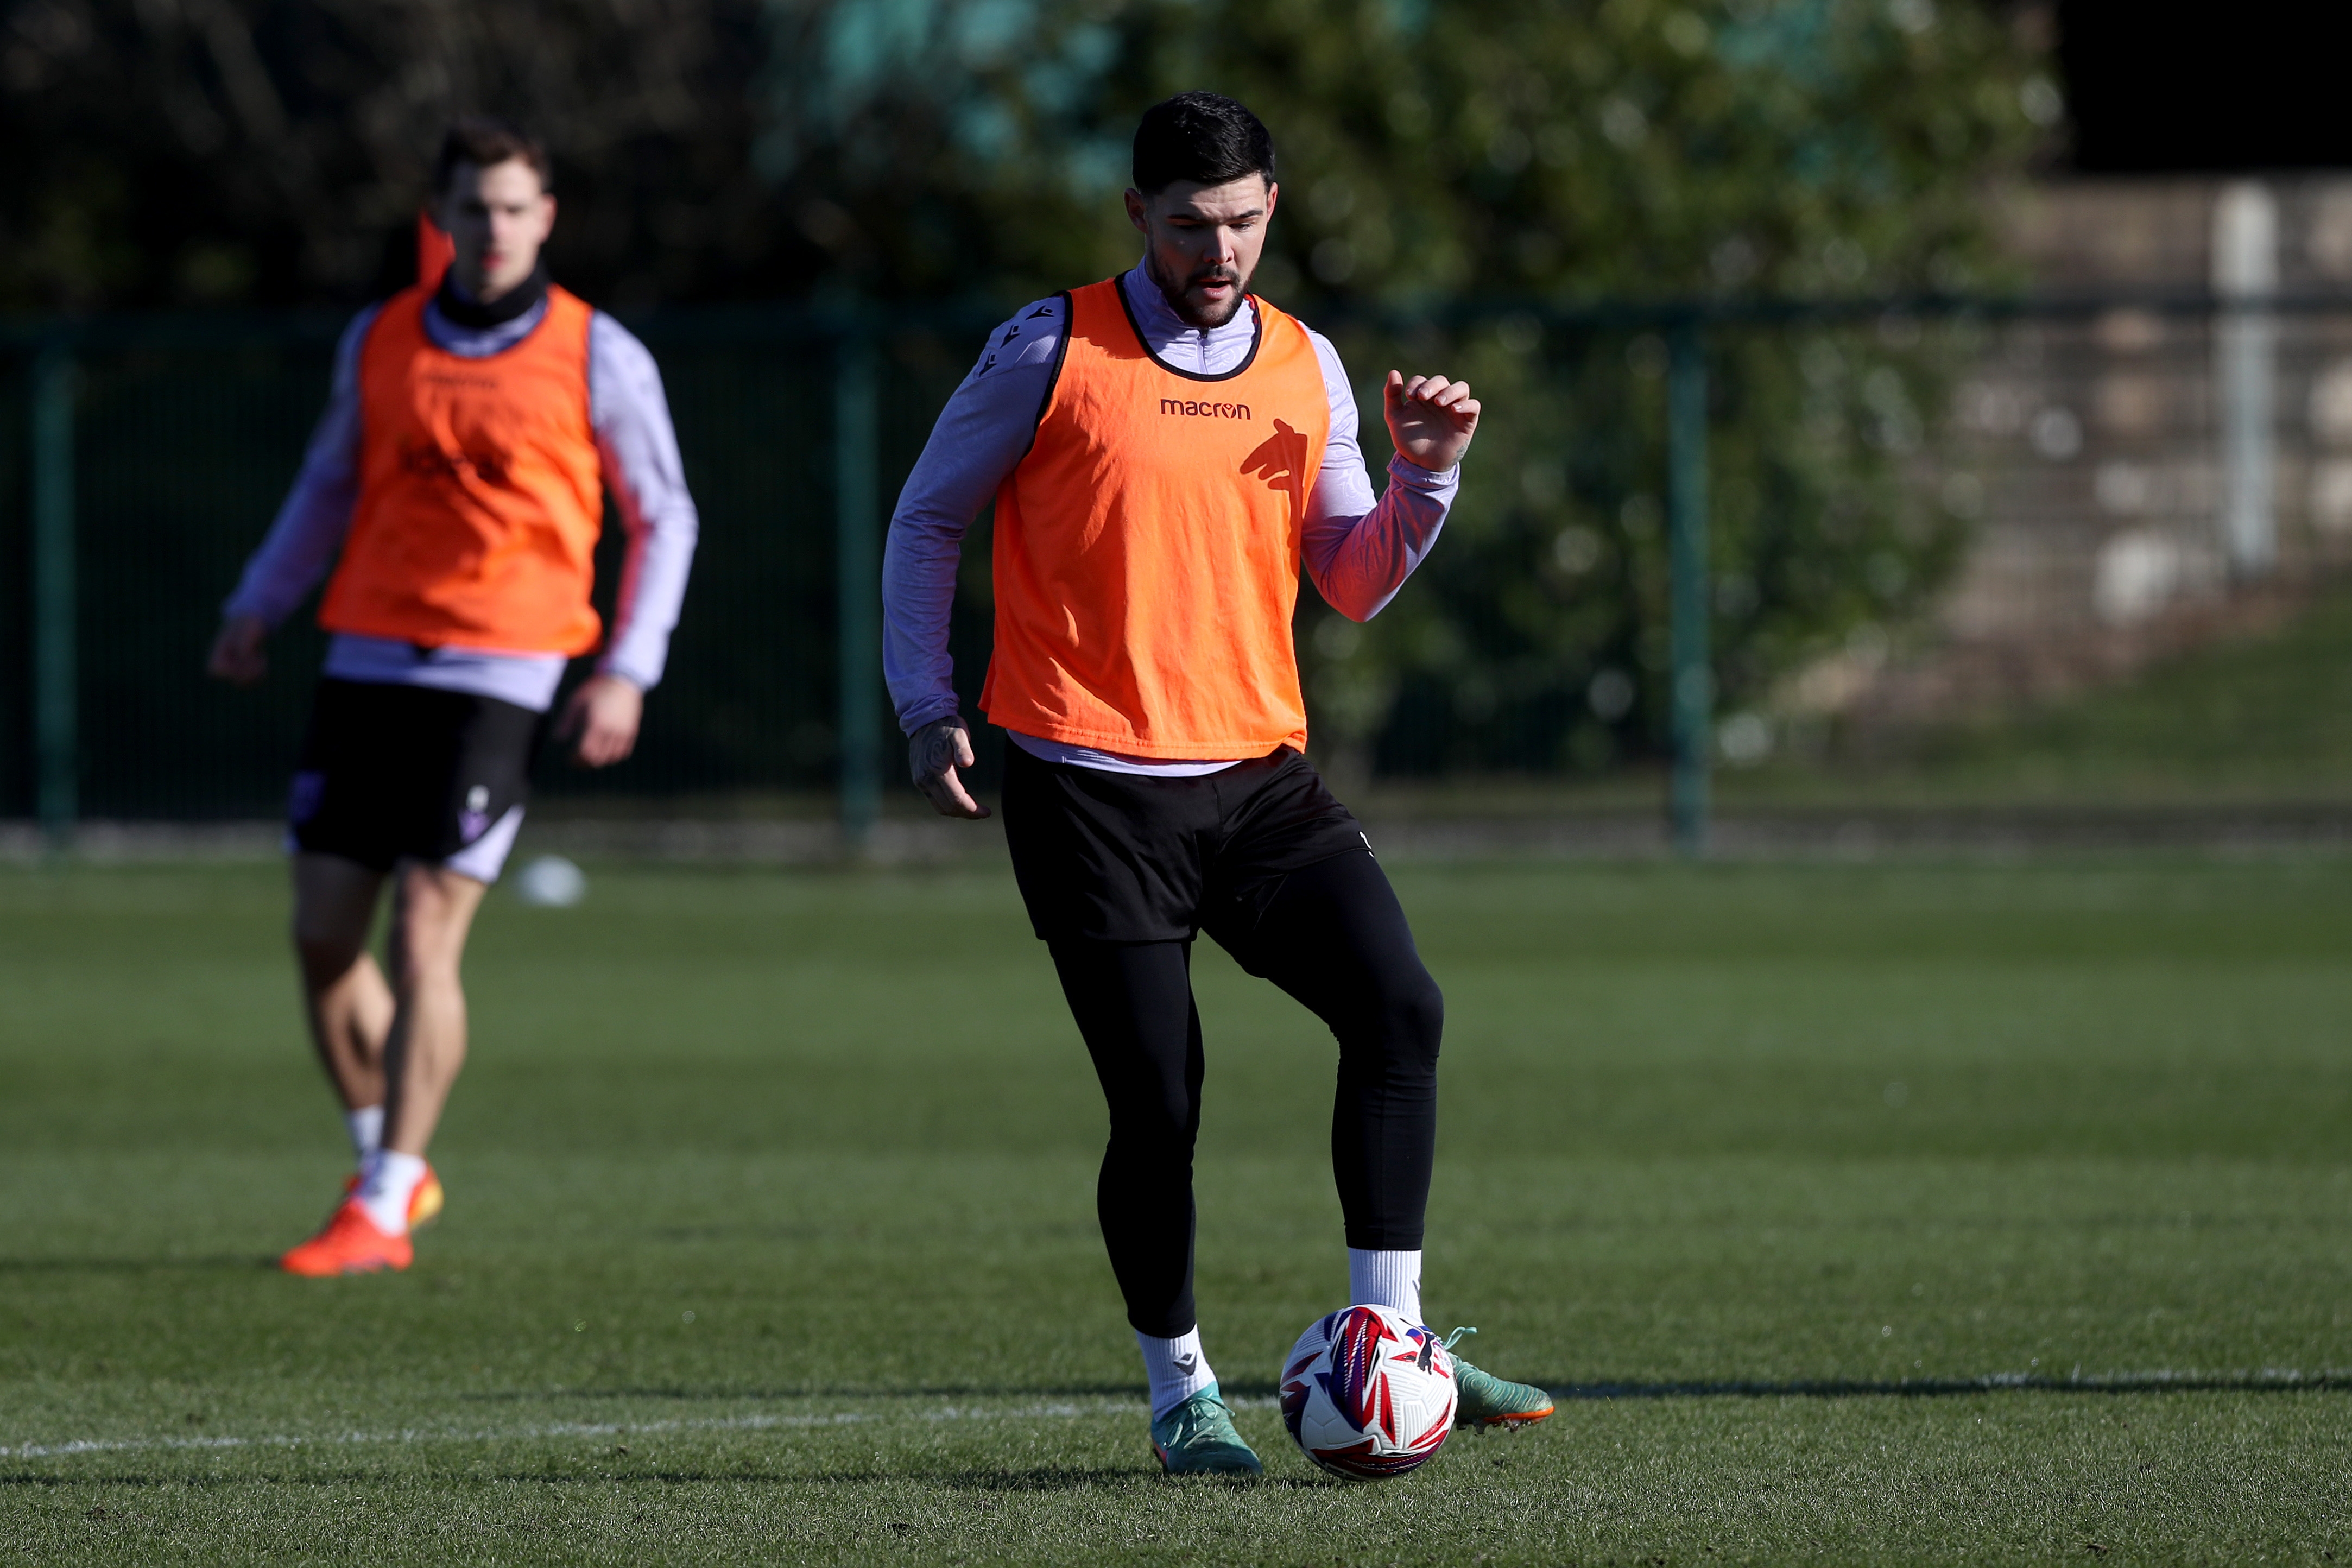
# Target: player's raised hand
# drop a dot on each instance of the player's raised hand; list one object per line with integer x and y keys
{"x": 604, "y": 715}
{"x": 934, "y": 752}
{"x": 238, "y": 654}
{"x": 1431, "y": 420}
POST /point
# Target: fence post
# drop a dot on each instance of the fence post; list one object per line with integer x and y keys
{"x": 56, "y": 744}
{"x": 2246, "y": 373}
{"x": 858, "y": 587}
{"x": 1694, "y": 674}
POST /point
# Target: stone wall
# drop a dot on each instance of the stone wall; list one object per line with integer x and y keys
{"x": 2140, "y": 481}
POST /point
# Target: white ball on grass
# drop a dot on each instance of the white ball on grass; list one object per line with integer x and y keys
{"x": 550, "y": 882}
{"x": 1368, "y": 1393}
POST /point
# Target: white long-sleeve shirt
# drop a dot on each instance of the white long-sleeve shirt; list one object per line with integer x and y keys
{"x": 1357, "y": 550}
{"x": 638, "y": 446}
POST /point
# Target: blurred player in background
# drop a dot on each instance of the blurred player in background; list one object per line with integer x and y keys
{"x": 459, "y": 469}
{"x": 1163, "y": 450}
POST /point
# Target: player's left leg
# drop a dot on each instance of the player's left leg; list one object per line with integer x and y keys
{"x": 432, "y": 915}
{"x": 461, "y": 815}
{"x": 1334, "y": 936}
{"x": 433, "y": 911}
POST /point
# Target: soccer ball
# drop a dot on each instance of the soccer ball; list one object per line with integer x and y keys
{"x": 551, "y": 882}
{"x": 1368, "y": 1393}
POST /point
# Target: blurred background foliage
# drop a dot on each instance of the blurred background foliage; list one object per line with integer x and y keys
{"x": 1449, "y": 168}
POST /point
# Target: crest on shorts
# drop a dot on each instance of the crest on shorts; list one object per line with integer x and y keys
{"x": 474, "y": 820}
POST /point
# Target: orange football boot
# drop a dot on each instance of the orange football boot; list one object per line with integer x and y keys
{"x": 424, "y": 1204}
{"x": 350, "y": 1244}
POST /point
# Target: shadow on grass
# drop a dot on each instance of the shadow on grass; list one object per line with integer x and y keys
{"x": 1948, "y": 1387}
{"x": 211, "y": 1263}
{"x": 2281, "y": 1382}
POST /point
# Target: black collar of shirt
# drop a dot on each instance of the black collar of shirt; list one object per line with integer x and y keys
{"x": 519, "y": 300}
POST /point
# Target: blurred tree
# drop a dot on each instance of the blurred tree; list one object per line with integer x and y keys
{"x": 950, "y": 147}
{"x": 1505, "y": 151}
{"x": 1435, "y": 150}
{"x": 1629, "y": 148}
{"x": 275, "y": 151}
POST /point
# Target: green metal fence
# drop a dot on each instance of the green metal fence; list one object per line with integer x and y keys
{"x": 150, "y": 454}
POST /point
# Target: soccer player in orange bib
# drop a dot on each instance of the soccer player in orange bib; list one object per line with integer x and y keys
{"x": 460, "y": 469}
{"x": 1164, "y": 451}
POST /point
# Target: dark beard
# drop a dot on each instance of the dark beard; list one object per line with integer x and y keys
{"x": 1191, "y": 314}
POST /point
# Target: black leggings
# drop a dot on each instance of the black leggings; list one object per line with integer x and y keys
{"x": 1333, "y": 937}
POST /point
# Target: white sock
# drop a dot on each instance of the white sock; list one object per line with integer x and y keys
{"x": 1390, "y": 1280}
{"x": 1178, "y": 1369}
{"x": 366, "y": 1127}
{"x": 390, "y": 1180}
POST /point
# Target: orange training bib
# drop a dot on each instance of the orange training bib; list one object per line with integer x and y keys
{"x": 481, "y": 490}
{"x": 1148, "y": 547}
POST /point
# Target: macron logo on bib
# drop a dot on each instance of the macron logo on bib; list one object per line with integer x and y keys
{"x": 1190, "y": 410}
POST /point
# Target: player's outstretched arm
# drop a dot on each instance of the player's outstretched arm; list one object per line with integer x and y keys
{"x": 934, "y": 752}
{"x": 1431, "y": 420}
{"x": 601, "y": 719}
{"x": 238, "y": 654}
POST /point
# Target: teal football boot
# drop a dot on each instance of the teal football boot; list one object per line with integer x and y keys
{"x": 1198, "y": 1439}
{"x": 1485, "y": 1401}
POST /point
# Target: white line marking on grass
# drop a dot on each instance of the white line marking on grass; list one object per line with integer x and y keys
{"x": 1062, "y": 1412}
{"x": 562, "y": 1430}
{"x": 1991, "y": 1382}
{"x": 413, "y": 1435}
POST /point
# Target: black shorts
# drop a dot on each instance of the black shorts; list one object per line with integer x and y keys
{"x": 406, "y": 772}
{"x": 1121, "y": 858}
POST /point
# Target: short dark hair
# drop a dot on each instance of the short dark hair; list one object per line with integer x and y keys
{"x": 485, "y": 140}
{"x": 1205, "y": 137}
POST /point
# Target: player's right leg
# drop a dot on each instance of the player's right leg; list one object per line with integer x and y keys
{"x": 1108, "y": 867}
{"x": 343, "y": 843}
{"x": 345, "y": 999}
{"x": 350, "y": 813}
{"x": 1133, "y": 1003}
{"x": 351, "y": 1013}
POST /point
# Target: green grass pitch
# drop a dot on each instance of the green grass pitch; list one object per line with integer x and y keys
{"x": 1859, "y": 1213}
